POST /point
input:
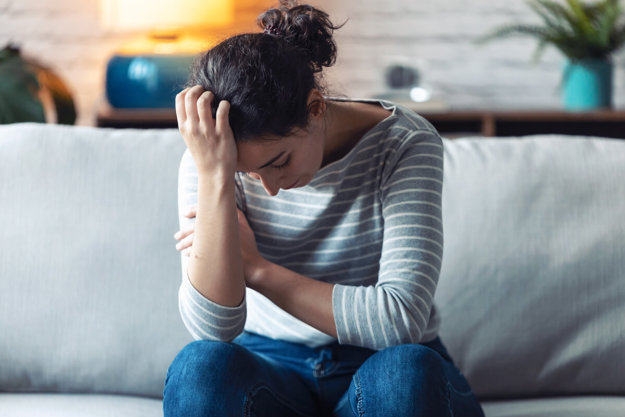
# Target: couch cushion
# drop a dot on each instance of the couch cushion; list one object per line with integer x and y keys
{"x": 78, "y": 405}
{"x": 88, "y": 270}
{"x": 532, "y": 287}
{"x": 557, "y": 407}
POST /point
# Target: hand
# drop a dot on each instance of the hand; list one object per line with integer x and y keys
{"x": 253, "y": 262}
{"x": 210, "y": 140}
{"x": 185, "y": 237}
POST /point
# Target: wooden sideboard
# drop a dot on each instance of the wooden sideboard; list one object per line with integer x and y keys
{"x": 606, "y": 123}
{"x": 450, "y": 123}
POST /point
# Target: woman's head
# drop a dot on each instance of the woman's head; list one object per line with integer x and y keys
{"x": 268, "y": 77}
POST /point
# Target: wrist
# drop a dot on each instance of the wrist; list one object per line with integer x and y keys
{"x": 216, "y": 179}
{"x": 218, "y": 172}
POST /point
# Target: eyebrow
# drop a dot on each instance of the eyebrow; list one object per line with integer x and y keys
{"x": 272, "y": 161}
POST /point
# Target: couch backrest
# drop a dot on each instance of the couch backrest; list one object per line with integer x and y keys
{"x": 88, "y": 270}
{"x": 532, "y": 287}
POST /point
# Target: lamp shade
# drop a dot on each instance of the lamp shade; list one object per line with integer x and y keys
{"x": 157, "y": 14}
{"x": 147, "y": 72}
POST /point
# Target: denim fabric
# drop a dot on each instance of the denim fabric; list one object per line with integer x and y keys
{"x": 261, "y": 377}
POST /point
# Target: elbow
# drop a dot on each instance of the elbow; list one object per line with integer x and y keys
{"x": 407, "y": 317}
{"x": 222, "y": 325}
{"x": 381, "y": 316}
{"x": 200, "y": 329}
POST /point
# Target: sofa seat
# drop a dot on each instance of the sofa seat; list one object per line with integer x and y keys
{"x": 78, "y": 405}
{"x": 69, "y": 405}
{"x": 595, "y": 406}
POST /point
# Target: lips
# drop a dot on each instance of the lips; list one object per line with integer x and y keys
{"x": 292, "y": 185}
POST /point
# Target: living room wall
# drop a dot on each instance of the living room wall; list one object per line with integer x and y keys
{"x": 66, "y": 34}
{"x": 441, "y": 36}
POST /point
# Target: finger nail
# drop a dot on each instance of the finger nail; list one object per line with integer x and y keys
{"x": 177, "y": 235}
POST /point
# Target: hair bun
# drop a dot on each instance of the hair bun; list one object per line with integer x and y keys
{"x": 303, "y": 26}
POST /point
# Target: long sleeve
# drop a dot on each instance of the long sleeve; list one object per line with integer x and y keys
{"x": 397, "y": 308}
{"x": 203, "y": 318}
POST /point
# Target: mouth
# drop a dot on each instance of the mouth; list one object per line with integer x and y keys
{"x": 292, "y": 185}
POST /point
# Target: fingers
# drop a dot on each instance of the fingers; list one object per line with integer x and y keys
{"x": 222, "y": 121}
{"x": 185, "y": 243}
{"x": 190, "y": 103}
{"x": 181, "y": 234}
{"x": 191, "y": 212}
{"x": 205, "y": 107}
{"x": 195, "y": 105}
{"x": 181, "y": 113}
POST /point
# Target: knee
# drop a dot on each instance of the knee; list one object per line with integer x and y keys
{"x": 402, "y": 380}
{"x": 410, "y": 364}
{"x": 200, "y": 377}
{"x": 206, "y": 360}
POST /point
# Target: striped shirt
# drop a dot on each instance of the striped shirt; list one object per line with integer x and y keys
{"x": 370, "y": 223}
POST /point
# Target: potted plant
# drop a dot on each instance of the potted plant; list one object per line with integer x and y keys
{"x": 32, "y": 92}
{"x": 587, "y": 34}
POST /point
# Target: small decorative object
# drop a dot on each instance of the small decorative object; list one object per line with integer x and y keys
{"x": 150, "y": 70}
{"x": 32, "y": 92}
{"x": 587, "y": 34}
{"x": 403, "y": 83}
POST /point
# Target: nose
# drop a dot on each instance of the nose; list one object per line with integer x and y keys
{"x": 270, "y": 188}
{"x": 269, "y": 183}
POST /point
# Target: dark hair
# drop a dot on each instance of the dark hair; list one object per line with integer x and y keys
{"x": 268, "y": 76}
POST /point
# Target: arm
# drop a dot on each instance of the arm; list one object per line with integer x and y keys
{"x": 213, "y": 290}
{"x": 397, "y": 309}
{"x": 307, "y": 299}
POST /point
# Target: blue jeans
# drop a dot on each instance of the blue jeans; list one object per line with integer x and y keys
{"x": 257, "y": 376}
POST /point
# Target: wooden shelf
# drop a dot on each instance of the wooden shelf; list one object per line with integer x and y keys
{"x": 606, "y": 123}
{"x": 450, "y": 123}
{"x": 136, "y": 118}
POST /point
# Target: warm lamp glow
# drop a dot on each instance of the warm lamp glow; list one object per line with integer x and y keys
{"x": 148, "y": 71}
{"x": 165, "y": 14}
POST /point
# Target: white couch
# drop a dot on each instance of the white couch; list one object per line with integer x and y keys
{"x": 532, "y": 290}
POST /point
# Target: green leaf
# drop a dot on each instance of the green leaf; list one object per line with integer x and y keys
{"x": 582, "y": 22}
{"x": 514, "y": 30}
{"x": 18, "y": 92}
{"x": 578, "y": 30}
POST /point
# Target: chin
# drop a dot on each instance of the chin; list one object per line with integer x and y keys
{"x": 304, "y": 181}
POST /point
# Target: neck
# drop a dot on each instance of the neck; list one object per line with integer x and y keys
{"x": 346, "y": 123}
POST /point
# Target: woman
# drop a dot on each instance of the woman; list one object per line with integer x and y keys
{"x": 316, "y": 244}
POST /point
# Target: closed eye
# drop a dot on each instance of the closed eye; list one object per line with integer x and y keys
{"x": 284, "y": 164}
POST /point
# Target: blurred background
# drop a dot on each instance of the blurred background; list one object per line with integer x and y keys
{"x": 75, "y": 39}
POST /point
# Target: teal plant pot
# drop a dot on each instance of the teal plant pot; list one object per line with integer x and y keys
{"x": 587, "y": 84}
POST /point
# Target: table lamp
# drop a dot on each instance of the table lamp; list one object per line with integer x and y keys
{"x": 149, "y": 71}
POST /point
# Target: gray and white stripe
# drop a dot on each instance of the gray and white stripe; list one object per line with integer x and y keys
{"x": 370, "y": 223}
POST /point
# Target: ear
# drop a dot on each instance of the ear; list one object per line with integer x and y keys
{"x": 316, "y": 105}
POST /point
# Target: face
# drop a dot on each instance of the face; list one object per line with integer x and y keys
{"x": 282, "y": 163}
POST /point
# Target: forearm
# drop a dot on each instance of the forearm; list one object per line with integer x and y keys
{"x": 215, "y": 266}
{"x": 304, "y": 298}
